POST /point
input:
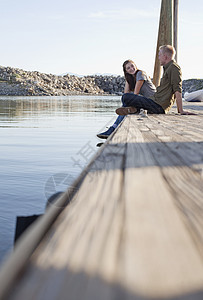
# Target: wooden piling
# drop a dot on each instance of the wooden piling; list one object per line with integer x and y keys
{"x": 175, "y": 30}
{"x": 165, "y": 34}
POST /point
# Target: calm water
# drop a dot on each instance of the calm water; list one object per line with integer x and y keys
{"x": 45, "y": 142}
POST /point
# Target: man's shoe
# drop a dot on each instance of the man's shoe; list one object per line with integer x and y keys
{"x": 106, "y": 134}
{"x": 123, "y": 111}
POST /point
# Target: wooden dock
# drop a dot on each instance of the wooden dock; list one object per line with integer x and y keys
{"x": 134, "y": 227}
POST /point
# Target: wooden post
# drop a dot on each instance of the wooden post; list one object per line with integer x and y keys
{"x": 175, "y": 41}
{"x": 165, "y": 34}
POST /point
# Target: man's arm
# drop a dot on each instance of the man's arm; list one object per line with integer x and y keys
{"x": 179, "y": 103}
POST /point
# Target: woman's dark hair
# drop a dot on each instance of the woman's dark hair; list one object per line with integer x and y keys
{"x": 131, "y": 79}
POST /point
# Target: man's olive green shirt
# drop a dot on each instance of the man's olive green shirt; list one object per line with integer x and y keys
{"x": 171, "y": 82}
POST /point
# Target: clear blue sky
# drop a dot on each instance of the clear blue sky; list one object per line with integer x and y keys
{"x": 87, "y": 37}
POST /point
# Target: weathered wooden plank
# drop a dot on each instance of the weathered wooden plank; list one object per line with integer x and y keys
{"x": 159, "y": 258}
{"x": 154, "y": 231}
{"x": 191, "y": 128}
{"x": 133, "y": 229}
{"x": 88, "y": 206}
{"x": 184, "y": 179}
{"x": 185, "y": 176}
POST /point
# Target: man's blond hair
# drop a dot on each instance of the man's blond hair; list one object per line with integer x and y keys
{"x": 168, "y": 49}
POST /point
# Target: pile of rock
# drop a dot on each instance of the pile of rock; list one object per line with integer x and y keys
{"x": 25, "y": 83}
{"x": 191, "y": 85}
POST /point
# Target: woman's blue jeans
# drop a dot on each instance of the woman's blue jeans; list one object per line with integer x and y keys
{"x": 130, "y": 99}
{"x": 119, "y": 118}
{"x": 139, "y": 102}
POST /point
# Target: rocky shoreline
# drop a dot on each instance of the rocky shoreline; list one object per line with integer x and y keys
{"x": 18, "y": 82}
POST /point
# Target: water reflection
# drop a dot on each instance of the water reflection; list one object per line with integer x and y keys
{"x": 42, "y": 137}
{"x": 16, "y": 108}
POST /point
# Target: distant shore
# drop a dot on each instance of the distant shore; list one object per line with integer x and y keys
{"x": 17, "y": 82}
